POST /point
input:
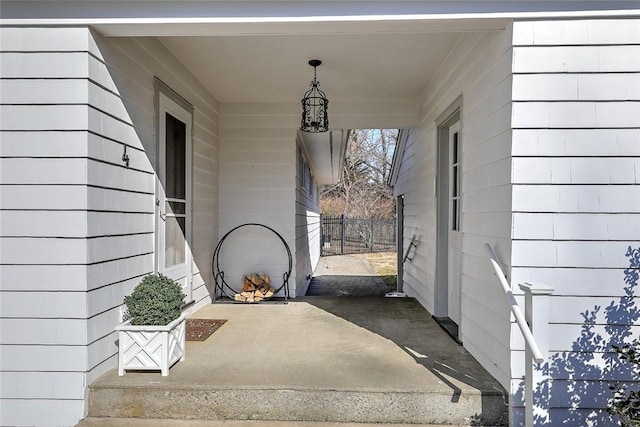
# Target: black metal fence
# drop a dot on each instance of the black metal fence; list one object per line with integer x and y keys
{"x": 342, "y": 235}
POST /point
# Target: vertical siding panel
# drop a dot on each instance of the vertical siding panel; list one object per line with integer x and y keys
{"x": 575, "y": 161}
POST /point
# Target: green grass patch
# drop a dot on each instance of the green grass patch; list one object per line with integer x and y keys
{"x": 385, "y": 266}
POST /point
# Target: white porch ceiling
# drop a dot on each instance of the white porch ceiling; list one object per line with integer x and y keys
{"x": 362, "y": 65}
{"x": 274, "y": 68}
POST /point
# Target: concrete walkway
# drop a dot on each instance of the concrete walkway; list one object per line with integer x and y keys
{"x": 129, "y": 422}
{"x": 346, "y": 275}
{"x": 317, "y": 361}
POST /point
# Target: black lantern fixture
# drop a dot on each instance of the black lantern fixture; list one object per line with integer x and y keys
{"x": 314, "y": 106}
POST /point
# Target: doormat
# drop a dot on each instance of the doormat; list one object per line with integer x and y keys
{"x": 201, "y": 329}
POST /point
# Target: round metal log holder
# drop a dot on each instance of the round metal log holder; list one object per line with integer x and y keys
{"x": 224, "y": 290}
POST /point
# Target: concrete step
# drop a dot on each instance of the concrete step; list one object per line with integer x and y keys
{"x": 133, "y": 422}
{"x": 299, "y": 405}
{"x": 320, "y": 359}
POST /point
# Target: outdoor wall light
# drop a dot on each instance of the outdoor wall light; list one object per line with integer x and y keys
{"x": 314, "y": 106}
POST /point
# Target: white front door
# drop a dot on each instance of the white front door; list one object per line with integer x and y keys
{"x": 173, "y": 194}
{"x": 455, "y": 232}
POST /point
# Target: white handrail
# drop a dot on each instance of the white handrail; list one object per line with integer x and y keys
{"x": 515, "y": 308}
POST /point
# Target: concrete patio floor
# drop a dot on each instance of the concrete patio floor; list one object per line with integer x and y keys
{"x": 345, "y": 275}
{"x": 334, "y": 359}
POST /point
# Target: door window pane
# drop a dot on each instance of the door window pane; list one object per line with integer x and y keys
{"x": 175, "y": 174}
{"x": 455, "y": 182}
{"x": 455, "y": 148}
{"x": 174, "y": 241}
{"x": 176, "y": 208}
{"x": 454, "y": 187}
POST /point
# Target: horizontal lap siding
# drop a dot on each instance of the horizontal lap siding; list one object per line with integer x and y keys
{"x": 576, "y": 148}
{"x": 257, "y": 185}
{"x": 44, "y": 164}
{"x": 478, "y": 69}
{"x": 408, "y": 186}
{"x": 122, "y": 252}
{"x": 39, "y": 412}
{"x": 77, "y": 230}
{"x": 414, "y": 177}
{"x": 486, "y": 145}
{"x": 116, "y": 123}
{"x": 308, "y": 228}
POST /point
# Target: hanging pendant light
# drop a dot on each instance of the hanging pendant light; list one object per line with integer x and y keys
{"x": 314, "y": 106}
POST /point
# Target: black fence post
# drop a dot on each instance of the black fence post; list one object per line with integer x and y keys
{"x": 321, "y": 234}
{"x": 372, "y": 236}
{"x": 342, "y": 233}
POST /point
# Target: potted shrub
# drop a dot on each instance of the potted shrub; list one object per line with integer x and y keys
{"x": 153, "y": 336}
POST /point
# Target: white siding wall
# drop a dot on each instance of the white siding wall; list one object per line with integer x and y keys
{"x": 486, "y": 206}
{"x": 77, "y": 225}
{"x": 417, "y": 188}
{"x": 257, "y": 185}
{"x": 308, "y": 227}
{"x": 576, "y": 151}
{"x": 127, "y": 68}
{"x": 44, "y": 228}
{"x": 479, "y": 70}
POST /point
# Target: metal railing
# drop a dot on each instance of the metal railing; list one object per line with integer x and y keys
{"x": 535, "y": 319}
{"x": 515, "y": 307}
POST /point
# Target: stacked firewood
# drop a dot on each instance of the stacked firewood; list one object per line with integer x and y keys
{"x": 255, "y": 288}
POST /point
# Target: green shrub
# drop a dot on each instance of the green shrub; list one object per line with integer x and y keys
{"x": 157, "y": 300}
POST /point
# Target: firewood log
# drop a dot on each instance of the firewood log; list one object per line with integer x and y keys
{"x": 255, "y": 279}
{"x": 239, "y": 297}
{"x": 248, "y": 286}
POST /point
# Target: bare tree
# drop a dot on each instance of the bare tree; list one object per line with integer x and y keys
{"x": 362, "y": 190}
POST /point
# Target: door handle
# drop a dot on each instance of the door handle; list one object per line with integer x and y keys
{"x": 163, "y": 216}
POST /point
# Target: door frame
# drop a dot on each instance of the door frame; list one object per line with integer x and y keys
{"x": 168, "y": 101}
{"x": 451, "y": 116}
{"x": 400, "y": 242}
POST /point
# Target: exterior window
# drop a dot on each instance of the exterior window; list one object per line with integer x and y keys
{"x": 305, "y": 177}
{"x": 308, "y": 179}
{"x": 300, "y": 167}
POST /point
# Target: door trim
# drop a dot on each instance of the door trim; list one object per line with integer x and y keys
{"x": 168, "y": 101}
{"x": 400, "y": 242}
{"x": 448, "y": 118}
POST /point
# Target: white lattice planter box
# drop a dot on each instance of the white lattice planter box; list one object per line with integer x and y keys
{"x": 151, "y": 348}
